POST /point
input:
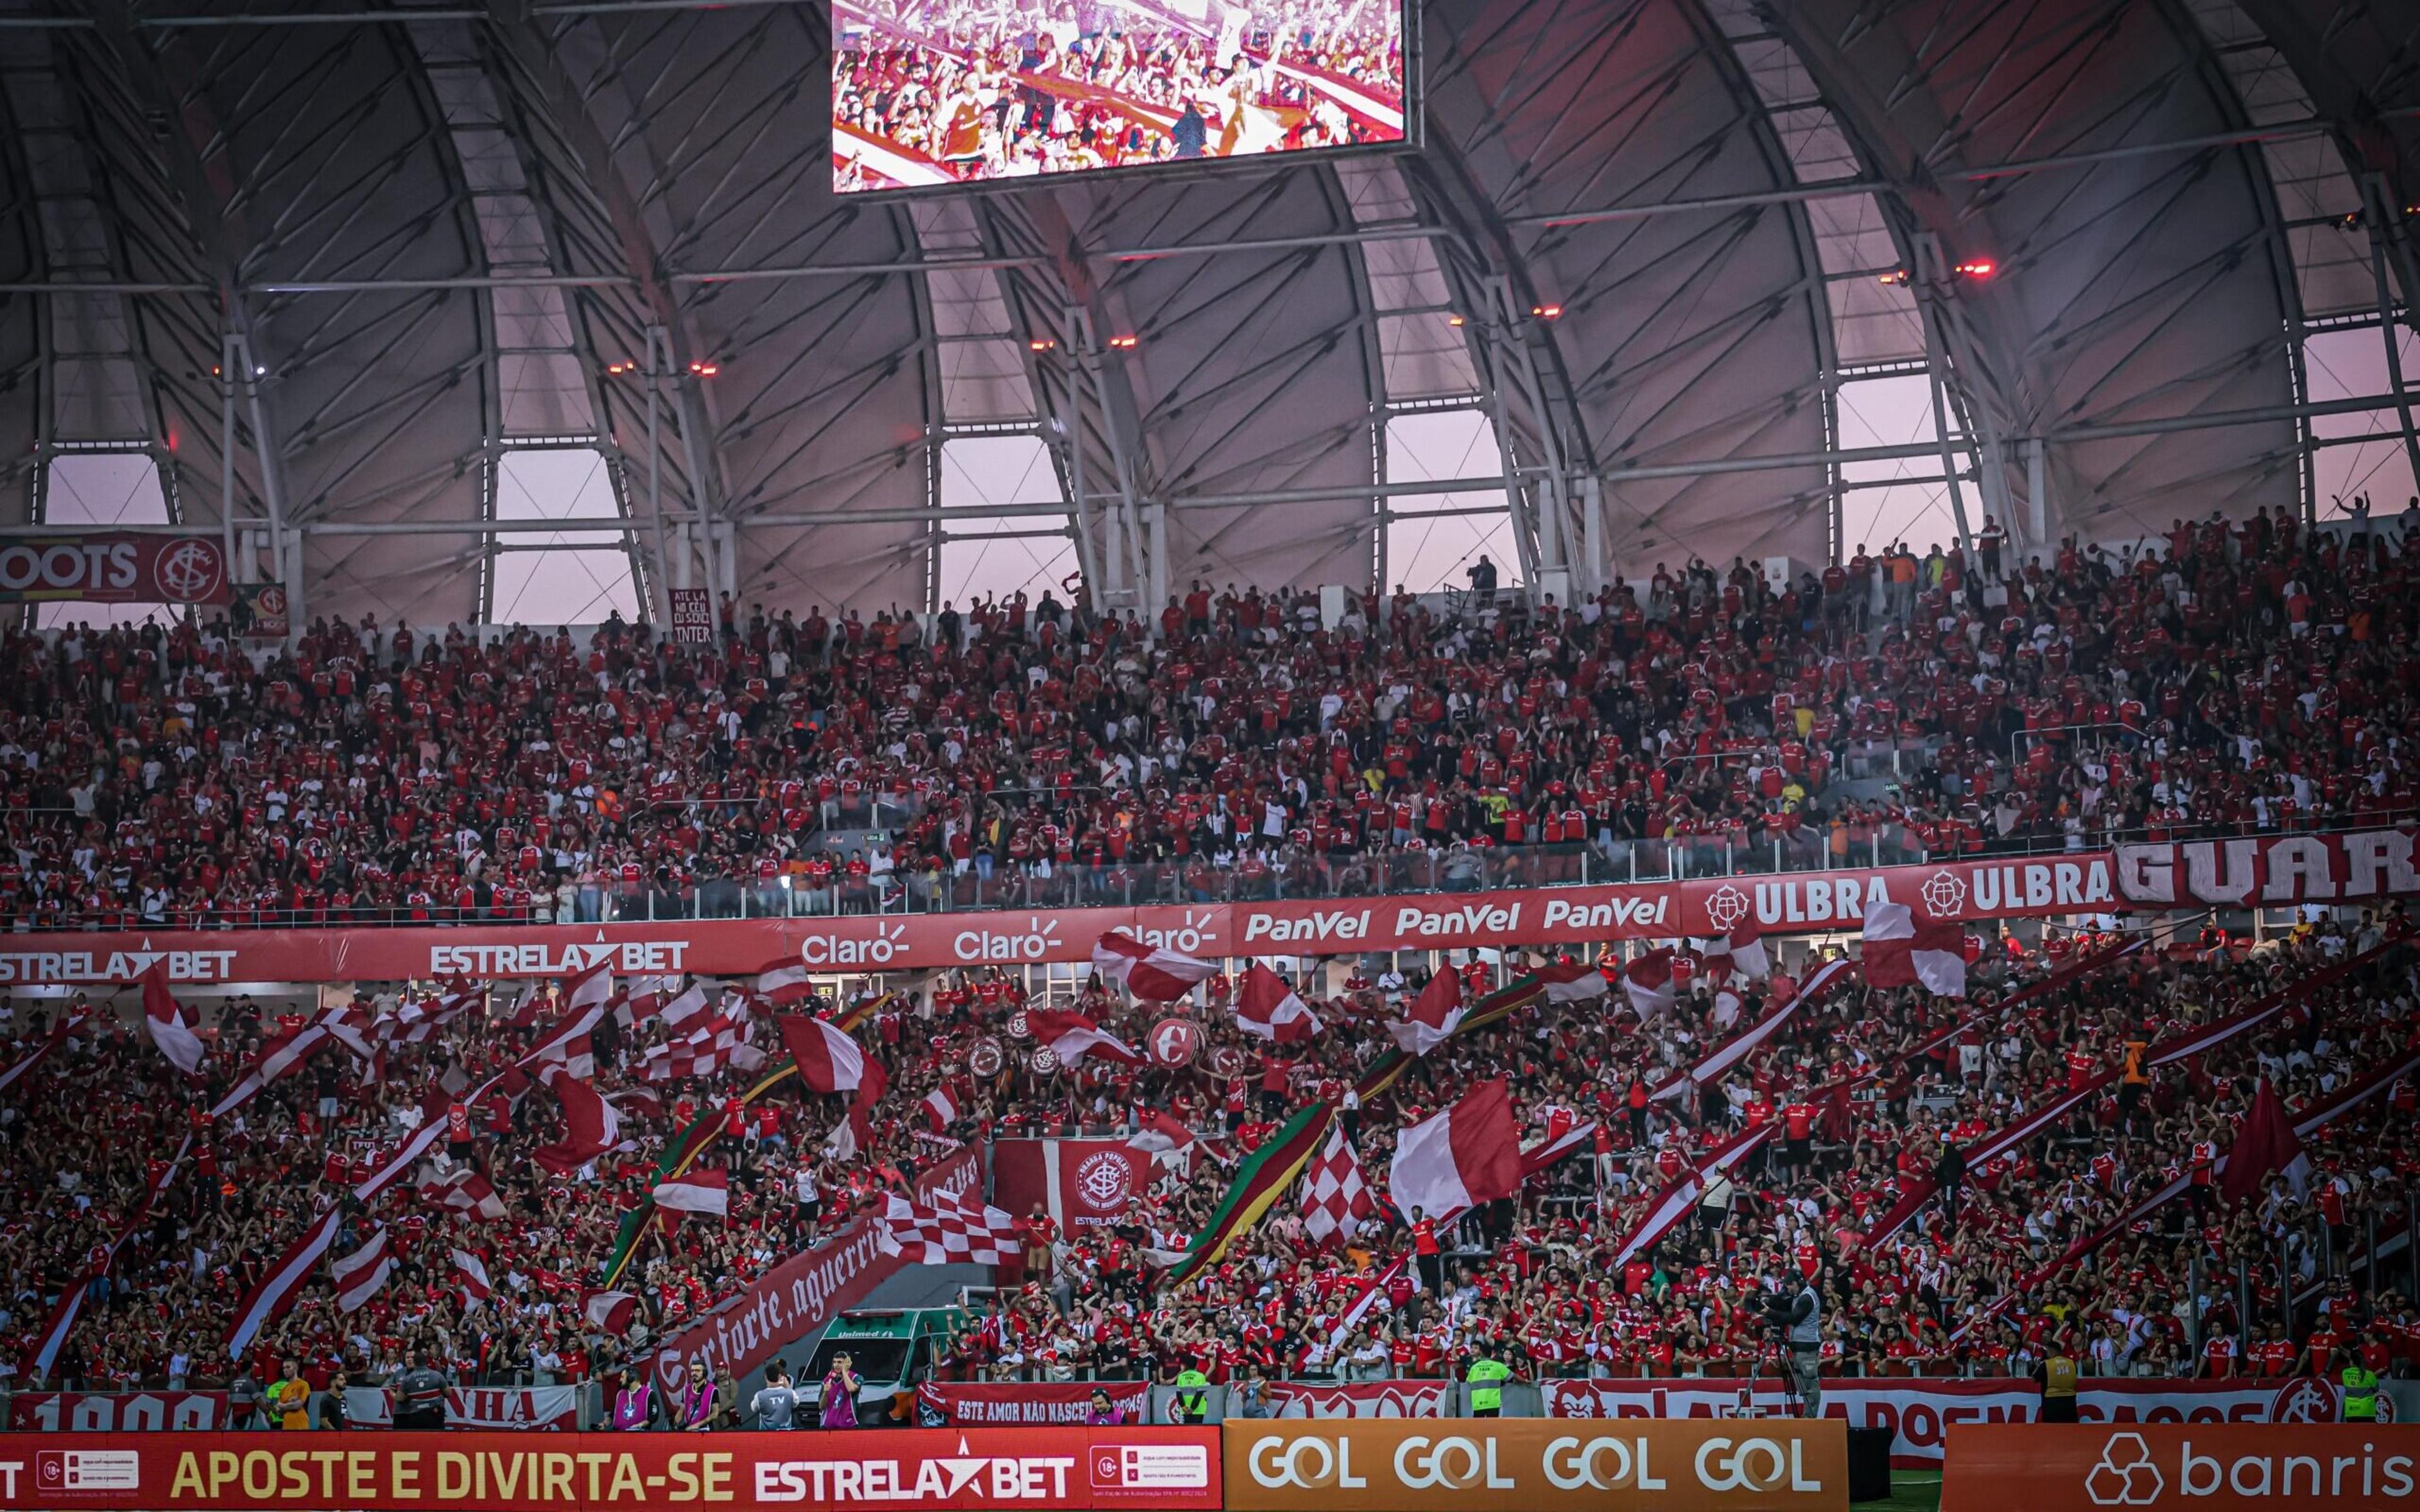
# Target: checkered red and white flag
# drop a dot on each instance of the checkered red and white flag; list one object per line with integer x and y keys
{"x": 954, "y": 1230}
{"x": 1335, "y": 1199}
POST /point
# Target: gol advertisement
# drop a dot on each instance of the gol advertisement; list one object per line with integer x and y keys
{"x": 1536, "y": 1465}
{"x": 2218, "y": 1467}
{"x": 1042, "y": 1468}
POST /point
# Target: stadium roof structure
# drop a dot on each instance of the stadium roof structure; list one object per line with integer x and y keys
{"x": 335, "y": 269}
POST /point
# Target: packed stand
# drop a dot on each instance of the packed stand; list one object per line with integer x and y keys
{"x": 2234, "y": 678}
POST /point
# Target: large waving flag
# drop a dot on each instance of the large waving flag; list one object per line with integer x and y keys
{"x": 164, "y": 1022}
{"x": 66, "y": 1024}
{"x": 361, "y": 1274}
{"x": 1154, "y": 973}
{"x": 274, "y": 1293}
{"x": 1260, "y": 1182}
{"x": 699, "y": 1192}
{"x": 1466, "y": 1155}
{"x": 591, "y": 1124}
{"x": 1434, "y": 1015}
{"x": 829, "y": 1060}
{"x": 1267, "y": 1008}
{"x": 1335, "y": 1199}
{"x": 1718, "y": 1061}
{"x": 1571, "y": 982}
{"x": 2265, "y": 1142}
{"x": 1647, "y": 982}
{"x": 1902, "y": 952}
{"x": 952, "y": 1230}
{"x": 1072, "y": 1037}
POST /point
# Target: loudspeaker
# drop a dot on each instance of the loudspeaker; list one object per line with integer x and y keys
{"x": 1868, "y": 1464}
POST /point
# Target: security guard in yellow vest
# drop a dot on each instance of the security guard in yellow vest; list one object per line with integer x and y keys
{"x": 2360, "y": 1393}
{"x": 2056, "y": 1375}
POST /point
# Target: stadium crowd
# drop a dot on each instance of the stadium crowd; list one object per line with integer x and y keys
{"x": 2229, "y": 679}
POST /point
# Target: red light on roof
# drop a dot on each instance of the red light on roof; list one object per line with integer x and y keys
{"x": 1125, "y": 343}
{"x": 703, "y": 369}
{"x": 1547, "y": 312}
{"x": 1897, "y": 275}
{"x": 1978, "y": 267}
{"x": 1455, "y": 320}
{"x": 1043, "y": 344}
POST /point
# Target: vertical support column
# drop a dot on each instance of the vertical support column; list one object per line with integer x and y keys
{"x": 1596, "y": 572}
{"x": 2036, "y": 499}
{"x": 658, "y": 352}
{"x": 2380, "y": 207}
{"x": 1949, "y": 461}
{"x": 285, "y": 546}
{"x": 239, "y": 571}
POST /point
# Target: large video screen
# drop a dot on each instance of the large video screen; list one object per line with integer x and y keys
{"x": 928, "y": 93}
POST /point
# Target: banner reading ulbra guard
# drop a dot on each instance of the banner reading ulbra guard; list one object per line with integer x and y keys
{"x": 2153, "y": 1466}
{"x": 1533, "y": 1465}
{"x": 1042, "y": 1468}
{"x": 1800, "y": 903}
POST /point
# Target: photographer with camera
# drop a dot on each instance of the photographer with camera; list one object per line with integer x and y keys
{"x": 1796, "y": 1319}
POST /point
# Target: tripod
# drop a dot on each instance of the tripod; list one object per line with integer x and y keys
{"x": 1772, "y": 1348}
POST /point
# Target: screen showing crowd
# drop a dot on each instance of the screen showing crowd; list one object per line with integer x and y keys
{"x": 932, "y": 92}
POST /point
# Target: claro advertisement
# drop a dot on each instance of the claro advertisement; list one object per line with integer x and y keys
{"x": 1043, "y": 1468}
{"x": 1516, "y": 1465}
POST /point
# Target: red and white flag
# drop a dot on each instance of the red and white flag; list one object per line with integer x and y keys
{"x": 940, "y": 1110}
{"x": 1335, "y": 1199}
{"x": 592, "y": 988}
{"x": 1900, "y": 952}
{"x": 1571, "y": 982}
{"x": 1154, "y": 973}
{"x": 274, "y": 1293}
{"x": 1267, "y": 1008}
{"x": 361, "y": 1274}
{"x": 166, "y": 1024}
{"x": 591, "y": 1125}
{"x": 1166, "y": 1141}
{"x": 686, "y": 1014}
{"x": 279, "y": 1060}
{"x": 568, "y": 1043}
{"x": 1647, "y": 982}
{"x": 1433, "y": 1017}
{"x": 610, "y": 1312}
{"x": 423, "y": 1139}
{"x": 829, "y": 1060}
{"x": 66, "y": 1024}
{"x": 953, "y": 1230}
{"x": 472, "y": 1274}
{"x": 1466, "y": 1155}
{"x": 465, "y": 1191}
{"x": 1679, "y": 1198}
{"x": 784, "y": 983}
{"x": 2265, "y": 1142}
{"x": 667, "y": 1063}
{"x": 1742, "y": 952}
{"x": 701, "y": 1192}
{"x": 1072, "y": 1037}
{"x": 417, "y": 1021}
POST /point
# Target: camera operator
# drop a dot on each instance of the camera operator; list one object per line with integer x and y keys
{"x": 1798, "y": 1318}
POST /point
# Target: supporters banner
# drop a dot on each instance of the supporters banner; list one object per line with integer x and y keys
{"x": 1042, "y": 1468}
{"x": 1801, "y": 903}
{"x": 1525, "y": 1465}
{"x": 115, "y": 1412}
{"x": 523, "y": 1409}
{"x": 800, "y": 1295}
{"x": 1361, "y": 1399}
{"x": 2162, "y": 1466}
{"x": 975, "y": 1403}
{"x": 1920, "y": 1413}
{"x": 109, "y": 567}
{"x": 1081, "y": 1183}
{"x": 2268, "y": 870}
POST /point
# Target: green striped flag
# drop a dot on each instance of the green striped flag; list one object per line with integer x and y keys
{"x": 1260, "y": 1180}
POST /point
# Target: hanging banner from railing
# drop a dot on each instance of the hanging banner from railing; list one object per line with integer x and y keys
{"x": 107, "y": 567}
{"x": 115, "y": 1411}
{"x": 508, "y": 1409}
{"x": 1003, "y": 1403}
{"x": 2268, "y": 870}
{"x": 1794, "y": 904}
{"x": 1361, "y": 1399}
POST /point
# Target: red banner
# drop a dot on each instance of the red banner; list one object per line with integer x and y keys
{"x": 2344, "y": 1465}
{"x": 1081, "y": 1183}
{"x": 115, "y": 1412}
{"x": 1801, "y": 903}
{"x": 114, "y": 568}
{"x": 1920, "y": 1413}
{"x": 800, "y": 1295}
{"x": 1042, "y": 1468}
{"x": 2268, "y": 870}
{"x": 973, "y": 1403}
{"x": 1362, "y": 1398}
